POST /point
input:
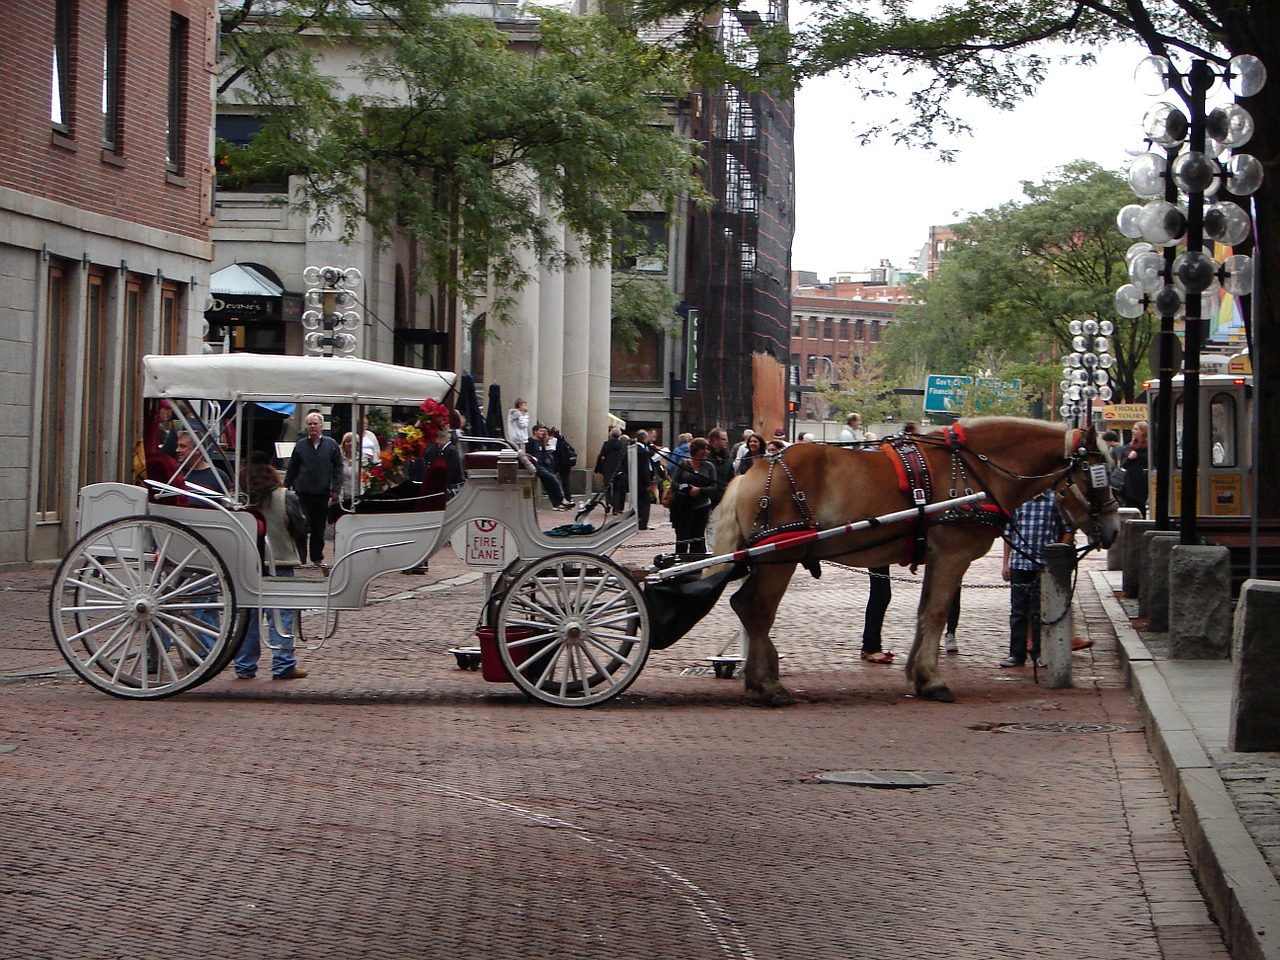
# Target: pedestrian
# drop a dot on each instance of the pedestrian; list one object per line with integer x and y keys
{"x": 1134, "y": 460}
{"x": 646, "y": 485}
{"x": 517, "y": 425}
{"x": 315, "y": 475}
{"x": 753, "y": 453}
{"x": 196, "y": 470}
{"x": 719, "y": 457}
{"x": 775, "y": 445}
{"x": 265, "y": 491}
{"x": 680, "y": 452}
{"x": 693, "y": 479}
{"x": 611, "y": 467}
{"x": 545, "y": 466}
{"x": 740, "y": 449}
{"x": 878, "y": 597}
{"x": 566, "y": 457}
{"x": 953, "y": 619}
{"x": 851, "y": 432}
{"x": 1035, "y": 525}
{"x": 1113, "y": 447}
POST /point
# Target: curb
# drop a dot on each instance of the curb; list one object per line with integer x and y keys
{"x": 1239, "y": 886}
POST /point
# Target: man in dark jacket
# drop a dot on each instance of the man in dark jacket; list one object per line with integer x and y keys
{"x": 611, "y": 464}
{"x": 315, "y": 475}
{"x": 544, "y": 462}
{"x": 720, "y": 458}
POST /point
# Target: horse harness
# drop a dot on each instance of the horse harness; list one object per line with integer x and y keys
{"x": 915, "y": 480}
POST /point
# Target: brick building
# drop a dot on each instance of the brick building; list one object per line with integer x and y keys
{"x": 105, "y": 180}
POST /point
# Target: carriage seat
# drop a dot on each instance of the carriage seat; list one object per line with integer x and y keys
{"x": 410, "y": 496}
{"x": 482, "y": 463}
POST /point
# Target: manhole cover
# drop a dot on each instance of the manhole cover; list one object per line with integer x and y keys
{"x": 887, "y": 779}
{"x": 1065, "y": 726}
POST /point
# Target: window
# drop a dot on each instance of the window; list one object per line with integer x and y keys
{"x": 1222, "y": 430}
{"x": 643, "y": 246}
{"x": 131, "y": 372}
{"x": 811, "y": 368}
{"x": 177, "y": 91}
{"x": 93, "y": 447}
{"x": 844, "y": 329}
{"x": 170, "y": 320}
{"x": 795, "y": 326}
{"x": 860, "y": 331}
{"x": 748, "y": 259}
{"x": 53, "y": 405}
{"x": 60, "y": 99}
{"x": 234, "y": 132}
{"x": 112, "y": 75}
{"x": 813, "y": 328}
{"x": 642, "y": 366}
{"x": 875, "y": 331}
{"x": 828, "y": 329}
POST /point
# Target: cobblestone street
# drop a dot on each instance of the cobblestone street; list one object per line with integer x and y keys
{"x": 393, "y": 805}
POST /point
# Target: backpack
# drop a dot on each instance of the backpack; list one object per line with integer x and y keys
{"x": 567, "y": 455}
{"x": 296, "y": 518}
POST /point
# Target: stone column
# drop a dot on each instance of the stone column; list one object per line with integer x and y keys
{"x": 1199, "y": 602}
{"x": 575, "y": 369}
{"x": 1134, "y": 555}
{"x": 1153, "y": 601}
{"x": 511, "y": 354}
{"x": 1255, "y": 721}
{"x": 1057, "y": 625}
{"x": 1115, "y": 552}
{"x": 598, "y": 353}
{"x": 547, "y": 405}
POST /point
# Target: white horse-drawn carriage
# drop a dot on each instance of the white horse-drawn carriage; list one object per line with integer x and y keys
{"x": 155, "y": 596}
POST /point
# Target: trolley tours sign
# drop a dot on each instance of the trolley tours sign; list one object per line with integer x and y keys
{"x": 484, "y": 543}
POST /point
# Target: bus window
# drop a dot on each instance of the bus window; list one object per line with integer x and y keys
{"x": 1177, "y": 433}
{"x": 1222, "y": 430}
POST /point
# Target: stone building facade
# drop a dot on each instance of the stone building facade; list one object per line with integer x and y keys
{"x": 105, "y": 192}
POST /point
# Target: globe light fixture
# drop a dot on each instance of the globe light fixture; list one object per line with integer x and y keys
{"x": 329, "y": 326}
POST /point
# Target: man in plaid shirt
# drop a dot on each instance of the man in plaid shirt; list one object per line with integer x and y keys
{"x": 1035, "y": 524}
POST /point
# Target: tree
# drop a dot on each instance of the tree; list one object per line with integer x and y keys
{"x": 995, "y": 50}
{"x": 1017, "y": 275}
{"x": 480, "y": 151}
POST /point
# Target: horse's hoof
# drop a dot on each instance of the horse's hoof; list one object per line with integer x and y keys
{"x": 941, "y": 694}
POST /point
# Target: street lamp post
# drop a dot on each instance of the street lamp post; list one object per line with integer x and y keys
{"x": 1187, "y": 284}
{"x": 329, "y": 326}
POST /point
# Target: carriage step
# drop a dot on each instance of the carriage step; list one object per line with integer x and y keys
{"x": 468, "y": 657}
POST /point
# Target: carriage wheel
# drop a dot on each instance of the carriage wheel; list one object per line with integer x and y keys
{"x": 573, "y": 629}
{"x": 143, "y": 608}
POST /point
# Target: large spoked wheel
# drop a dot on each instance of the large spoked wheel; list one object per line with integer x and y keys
{"x": 143, "y": 608}
{"x": 573, "y": 629}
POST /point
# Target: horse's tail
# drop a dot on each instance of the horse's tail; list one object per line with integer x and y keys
{"x": 729, "y": 533}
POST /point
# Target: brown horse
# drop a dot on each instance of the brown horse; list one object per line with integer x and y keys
{"x": 819, "y": 486}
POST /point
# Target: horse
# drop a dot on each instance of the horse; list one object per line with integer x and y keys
{"x": 818, "y": 486}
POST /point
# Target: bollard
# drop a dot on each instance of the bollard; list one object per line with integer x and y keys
{"x": 1134, "y": 558}
{"x": 1115, "y": 552}
{"x": 1056, "y": 627}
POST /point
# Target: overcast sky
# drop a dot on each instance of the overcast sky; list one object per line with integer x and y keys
{"x": 856, "y": 205}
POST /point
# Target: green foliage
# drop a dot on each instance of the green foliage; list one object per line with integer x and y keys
{"x": 481, "y": 150}
{"x": 641, "y": 302}
{"x": 866, "y": 389}
{"x": 1018, "y": 274}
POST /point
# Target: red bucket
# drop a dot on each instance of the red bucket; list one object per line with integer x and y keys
{"x": 491, "y": 666}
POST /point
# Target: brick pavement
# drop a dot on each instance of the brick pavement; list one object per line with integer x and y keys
{"x": 393, "y": 805}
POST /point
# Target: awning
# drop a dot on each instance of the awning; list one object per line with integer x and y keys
{"x": 248, "y": 292}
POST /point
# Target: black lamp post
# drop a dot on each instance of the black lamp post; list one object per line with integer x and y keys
{"x": 1180, "y": 285}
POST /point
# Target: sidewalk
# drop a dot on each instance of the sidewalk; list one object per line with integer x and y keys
{"x": 1228, "y": 803}
{"x": 386, "y": 805}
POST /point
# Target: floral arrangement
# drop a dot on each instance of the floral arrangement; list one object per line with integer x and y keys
{"x": 409, "y": 443}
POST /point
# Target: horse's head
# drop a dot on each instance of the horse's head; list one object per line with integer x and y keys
{"x": 1084, "y": 494}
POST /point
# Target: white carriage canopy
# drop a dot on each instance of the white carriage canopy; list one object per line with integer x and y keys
{"x": 291, "y": 379}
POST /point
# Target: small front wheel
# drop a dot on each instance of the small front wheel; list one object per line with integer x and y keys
{"x": 573, "y": 629}
{"x": 143, "y": 608}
